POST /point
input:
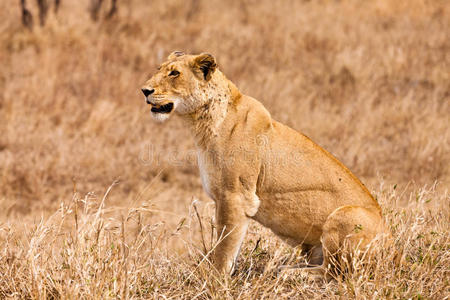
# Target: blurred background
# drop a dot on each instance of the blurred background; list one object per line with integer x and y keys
{"x": 367, "y": 80}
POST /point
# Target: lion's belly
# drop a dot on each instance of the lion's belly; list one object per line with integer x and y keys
{"x": 296, "y": 216}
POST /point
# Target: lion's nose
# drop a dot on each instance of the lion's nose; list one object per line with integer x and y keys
{"x": 148, "y": 92}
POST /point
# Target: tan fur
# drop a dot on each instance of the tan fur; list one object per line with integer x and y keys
{"x": 256, "y": 168}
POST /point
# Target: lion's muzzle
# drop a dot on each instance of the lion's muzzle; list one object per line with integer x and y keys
{"x": 157, "y": 107}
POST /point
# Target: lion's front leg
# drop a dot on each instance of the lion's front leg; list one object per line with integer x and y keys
{"x": 231, "y": 223}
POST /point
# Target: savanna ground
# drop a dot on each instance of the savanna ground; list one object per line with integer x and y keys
{"x": 98, "y": 201}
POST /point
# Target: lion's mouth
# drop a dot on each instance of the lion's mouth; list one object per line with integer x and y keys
{"x": 162, "y": 109}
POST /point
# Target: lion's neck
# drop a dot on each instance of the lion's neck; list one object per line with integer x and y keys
{"x": 207, "y": 121}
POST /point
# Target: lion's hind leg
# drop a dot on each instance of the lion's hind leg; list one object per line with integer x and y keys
{"x": 347, "y": 231}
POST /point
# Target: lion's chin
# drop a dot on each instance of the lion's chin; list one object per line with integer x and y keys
{"x": 163, "y": 112}
{"x": 160, "y": 117}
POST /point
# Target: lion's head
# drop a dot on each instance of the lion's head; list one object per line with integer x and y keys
{"x": 179, "y": 85}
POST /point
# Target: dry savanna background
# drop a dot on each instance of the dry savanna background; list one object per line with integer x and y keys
{"x": 98, "y": 201}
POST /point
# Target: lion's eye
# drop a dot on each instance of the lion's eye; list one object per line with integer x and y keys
{"x": 174, "y": 73}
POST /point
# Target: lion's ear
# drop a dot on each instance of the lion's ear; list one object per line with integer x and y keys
{"x": 205, "y": 64}
{"x": 175, "y": 54}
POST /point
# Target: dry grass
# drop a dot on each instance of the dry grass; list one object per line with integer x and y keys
{"x": 368, "y": 80}
{"x": 81, "y": 251}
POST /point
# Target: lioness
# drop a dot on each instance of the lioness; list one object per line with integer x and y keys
{"x": 256, "y": 168}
